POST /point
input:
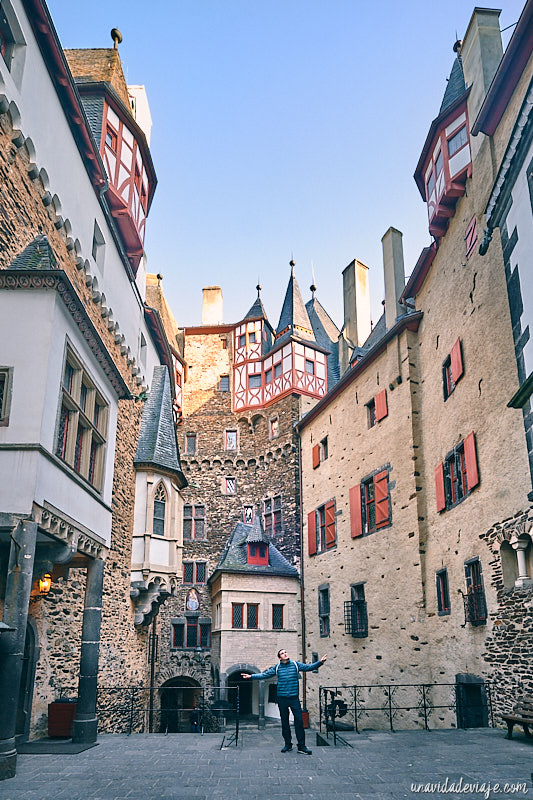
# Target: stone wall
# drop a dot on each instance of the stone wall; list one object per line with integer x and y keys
{"x": 27, "y": 210}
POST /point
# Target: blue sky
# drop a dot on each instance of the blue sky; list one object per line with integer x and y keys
{"x": 280, "y": 127}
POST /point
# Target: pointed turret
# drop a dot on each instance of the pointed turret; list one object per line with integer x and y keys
{"x": 257, "y": 309}
{"x": 326, "y": 334}
{"x": 294, "y": 320}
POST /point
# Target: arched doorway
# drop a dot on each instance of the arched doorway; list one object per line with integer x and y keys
{"x": 245, "y": 694}
{"x": 27, "y": 678}
{"x": 178, "y": 697}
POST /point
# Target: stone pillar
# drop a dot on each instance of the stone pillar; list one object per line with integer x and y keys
{"x": 18, "y": 589}
{"x": 85, "y": 725}
{"x": 261, "y": 692}
{"x": 520, "y": 546}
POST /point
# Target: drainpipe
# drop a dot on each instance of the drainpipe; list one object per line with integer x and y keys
{"x": 304, "y": 676}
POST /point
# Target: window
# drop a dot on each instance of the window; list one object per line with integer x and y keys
{"x": 194, "y": 522}
{"x": 474, "y": 599}
{"x": 323, "y": 610}
{"x": 98, "y": 249}
{"x": 160, "y": 499}
{"x": 82, "y": 424}
{"x": 257, "y": 553}
{"x": 6, "y": 374}
{"x": 430, "y": 185}
{"x": 230, "y": 485}
{"x": 443, "y": 592}
{"x": 273, "y": 431}
{"x": 277, "y": 617}
{"x": 254, "y": 381}
{"x": 242, "y": 340}
{"x": 321, "y": 524}
{"x": 230, "y": 440}
{"x": 277, "y": 370}
{"x": 237, "y": 616}
{"x": 201, "y": 572}
{"x": 190, "y": 444}
{"x": 7, "y": 40}
{"x": 252, "y": 619}
{"x": 251, "y": 337}
{"x": 248, "y": 515}
{"x": 223, "y": 383}
{"x": 377, "y": 408}
{"x": 268, "y": 375}
{"x": 452, "y": 369}
{"x": 457, "y": 475}
{"x": 111, "y": 139}
{"x": 457, "y": 141}
{"x": 309, "y": 366}
{"x": 320, "y": 452}
{"x": 272, "y": 515}
{"x": 355, "y": 613}
{"x": 370, "y": 504}
{"x": 224, "y": 344}
{"x": 188, "y": 571}
{"x": 194, "y": 569}
{"x": 191, "y": 632}
{"x": 438, "y": 164}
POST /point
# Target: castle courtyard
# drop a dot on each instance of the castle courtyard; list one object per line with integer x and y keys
{"x": 466, "y": 763}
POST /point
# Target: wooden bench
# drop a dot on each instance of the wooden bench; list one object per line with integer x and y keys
{"x": 522, "y": 715}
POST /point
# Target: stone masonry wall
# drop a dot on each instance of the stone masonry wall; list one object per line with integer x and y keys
{"x": 262, "y": 468}
{"x": 26, "y": 210}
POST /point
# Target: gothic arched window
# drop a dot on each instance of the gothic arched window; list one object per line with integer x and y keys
{"x": 160, "y": 499}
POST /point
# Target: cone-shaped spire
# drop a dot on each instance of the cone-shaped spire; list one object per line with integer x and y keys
{"x": 257, "y": 309}
{"x": 294, "y": 319}
{"x": 456, "y": 85}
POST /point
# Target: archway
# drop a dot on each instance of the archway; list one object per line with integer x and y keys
{"x": 245, "y": 694}
{"x": 178, "y": 697}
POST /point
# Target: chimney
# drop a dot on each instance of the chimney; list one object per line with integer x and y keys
{"x": 394, "y": 275}
{"x": 481, "y": 53}
{"x": 212, "y": 305}
{"x": 356, "y": 295}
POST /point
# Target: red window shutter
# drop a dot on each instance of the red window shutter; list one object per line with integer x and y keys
{"x": 316, "y": 457}
{"x": 331, "y": 536}
{"x": 472, "y": 472}
{"x": 380, "y": 401}
{"x": 439, "y": 487}
{"x": 381, "y": 495}
{"x": 456, "y": 358}
{"x": 311, "y": 533}
{"x": 356, "y": 520}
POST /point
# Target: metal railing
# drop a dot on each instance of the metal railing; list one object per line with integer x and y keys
{"x": 404, "y": 707}
{"x": 168, "y": 709}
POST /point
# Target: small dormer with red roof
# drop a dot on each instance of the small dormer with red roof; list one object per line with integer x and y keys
{"x": 446, "y": 161}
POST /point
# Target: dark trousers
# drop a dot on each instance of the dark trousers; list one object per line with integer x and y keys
{"x": 284, "y": 703}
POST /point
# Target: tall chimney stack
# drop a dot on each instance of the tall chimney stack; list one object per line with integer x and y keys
{"x": 356, "y": 296}
{"x": 394, "y": 275}
{"x": 212, "y": 305}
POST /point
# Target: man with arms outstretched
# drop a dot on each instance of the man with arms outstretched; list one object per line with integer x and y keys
{"x": 287, "y": 672}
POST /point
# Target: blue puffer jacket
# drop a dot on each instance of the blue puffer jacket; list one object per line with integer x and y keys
{"x": 287, "y": 675}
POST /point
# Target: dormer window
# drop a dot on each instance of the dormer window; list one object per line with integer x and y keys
{"x": 258, "y": 553}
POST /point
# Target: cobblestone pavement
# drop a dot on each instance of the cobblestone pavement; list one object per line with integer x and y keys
{"x": 380, "y": 765}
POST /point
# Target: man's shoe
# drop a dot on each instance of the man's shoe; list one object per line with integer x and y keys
{"x": 305, "y": 751}
{"x": 287, "y": 748}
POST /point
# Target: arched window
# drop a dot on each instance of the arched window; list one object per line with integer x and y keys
{"x": 160, "y": 499}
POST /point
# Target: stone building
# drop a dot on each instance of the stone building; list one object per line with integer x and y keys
{"x": 415, "y": 466}
{"x": 79, "y": 351}
{"x": 245, "y": 386}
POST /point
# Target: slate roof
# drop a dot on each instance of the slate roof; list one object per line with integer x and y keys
{"x": 37, "y": 255}
{"x": 456, "y": 85}
{"x": 157, "y": 445}
{"x": 294, "y": 314}
{"x": 326, "y": 335}
{"x": 233, "y": 559}
{"x": 378, "y": 332}
{"x": 257, "y": 309}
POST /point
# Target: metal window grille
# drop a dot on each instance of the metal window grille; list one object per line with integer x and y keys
{"x": 205, "y": 634}
{"x": 178, "y": 635}
{"x": 237, "y": 615}
{"x": 277, "y": 617}
{"x": 192, "y": 632}
{"x": 252, "y": 615}
{"x": 159, "y": 511}
{"x": 188, "y": 572}
{"x": 201, "y": 570}
{"x": 475, "y": 606}
{"x": 356, "y": 618}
